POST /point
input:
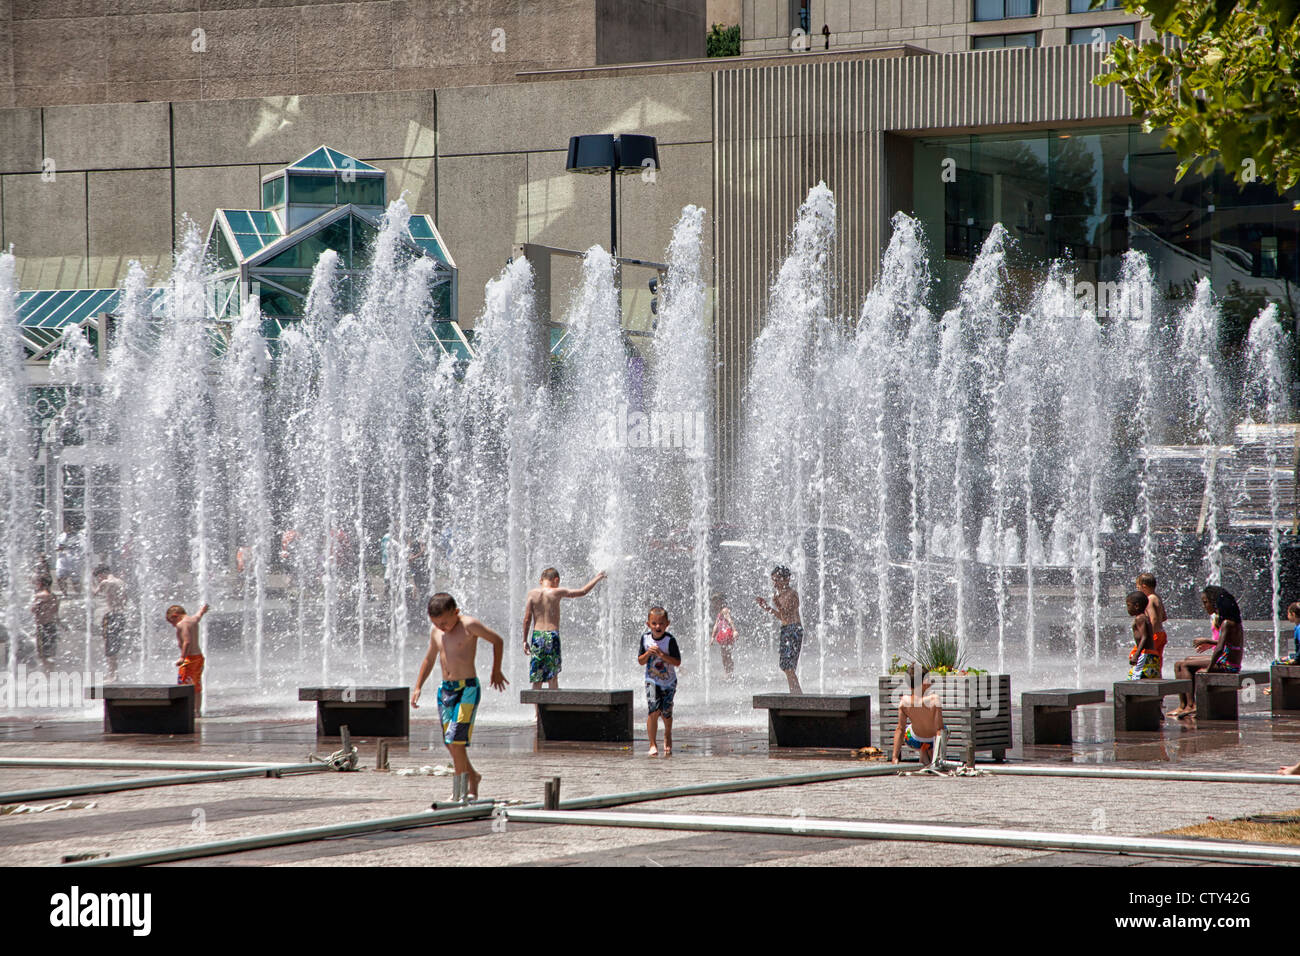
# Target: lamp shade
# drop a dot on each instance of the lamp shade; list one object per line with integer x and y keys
{"x": 591, "y": 154}
{"x": 633, "y": 151}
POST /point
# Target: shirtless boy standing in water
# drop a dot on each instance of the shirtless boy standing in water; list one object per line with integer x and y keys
{"x": 920, "y": 718}
{"x": 785, "y": 608}
{"x": 190, "y": 666}
{"x": 542, "y": 626}
{"x": 453, "y": 642}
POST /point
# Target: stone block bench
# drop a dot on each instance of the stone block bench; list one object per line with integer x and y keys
{"x": 367, "y": 711}
{"x": 1139, "y": 703}
{"x": 1047, "y": 716}
{"x": 1284, "y": 687}
{"x": 582, "y": 715}
{"x": 816, "y": 720}
{"x": 146, "y": 708}
{"x": 1217, "y": 694}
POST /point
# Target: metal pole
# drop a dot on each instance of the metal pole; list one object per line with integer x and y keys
{"x": 613, "y": 212}
{"x": 1124, "y": 773}
{"x": 79, "y": 763}
{"x": 925, "y": 833}
{"x": 289, "y": 837}
{"x": 144, "y": 783}
{"x": 729, "y": 786}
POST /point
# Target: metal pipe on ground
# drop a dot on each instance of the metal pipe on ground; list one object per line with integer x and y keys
{"x": 473, "y": 812}
{"x": 727, "y": 786}
{"x": 145, "y": 783}
{"x": 1129, "y": 773}
{"x": 925, "y": 833}
{"x": 289, "y": 837}
{"x": 78, "y": 763}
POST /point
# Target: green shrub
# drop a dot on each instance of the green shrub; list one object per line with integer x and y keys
{"x": 723, "y": 41}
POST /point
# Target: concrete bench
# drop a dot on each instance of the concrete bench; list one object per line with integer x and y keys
{"x": 816, "y": 720}
{"x": 582, "y": 715}
{"x": 1139, "y": 703}
{"x": 1284, "y": 687}
{"x": 146, "y": 708}
{"x": 1216, "y": 694}
{"x": 1047, "y": 716}
{"x": 367, "y": 711}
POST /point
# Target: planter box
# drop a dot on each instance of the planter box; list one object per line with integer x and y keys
{"x": 976, "y": 711}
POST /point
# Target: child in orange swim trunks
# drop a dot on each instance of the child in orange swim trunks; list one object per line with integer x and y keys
{"x": 190, "y": 665}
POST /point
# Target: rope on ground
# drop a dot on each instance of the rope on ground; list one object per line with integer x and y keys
{"x": 341, "y": 760}
{"x": 944, "y": 769}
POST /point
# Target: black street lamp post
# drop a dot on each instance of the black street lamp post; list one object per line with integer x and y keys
{"x": 605, "y": 153}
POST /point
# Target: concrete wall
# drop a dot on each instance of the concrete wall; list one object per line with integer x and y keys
{"x": 650, "y": 30}
{"x": 486, "y": 162}
{"x": 944, "y": 26}
{"x": 55, "y": 52}
{"x": 84, "y": 189}
{"x": 501, "y": 176}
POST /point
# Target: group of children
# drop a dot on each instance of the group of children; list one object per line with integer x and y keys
{"x": 453, "y": 637}
{"x": 108, "y": 588}
{"x": 112, "y": 592}
{"x": 1221, "y": 652}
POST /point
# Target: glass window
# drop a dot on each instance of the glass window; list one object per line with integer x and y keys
{"x": 1102, "y": 34}
{"x": 273, "y": 192}
{"x": 275, "y": 302}
{"x": 312, "y": 189}
{"x": 364, "y": 192}
{"x": 225, "y": 258}
{"x": 298, "y": 283}
{"x": 1005, "y": 9}
{"x": 1083, "y": 6}
{"x": 336, "y": 236}
{"x": 1000, "y": 40}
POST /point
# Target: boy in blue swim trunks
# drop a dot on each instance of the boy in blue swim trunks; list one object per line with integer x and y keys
{"x": 920, "y": 718}
{"x": 453, "y": 641}
{"x": 542, "y": 626}
{"x": 785, "y": 608}
{"x": 661, "y": 657}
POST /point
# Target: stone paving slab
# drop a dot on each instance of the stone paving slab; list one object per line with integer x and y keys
{"x": 514, "y": 768}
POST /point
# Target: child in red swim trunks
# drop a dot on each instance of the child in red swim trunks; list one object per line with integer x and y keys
{"x": 190, "y": 665}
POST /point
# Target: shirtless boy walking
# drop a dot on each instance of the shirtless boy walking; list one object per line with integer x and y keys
{"x": 542, "y": 626}
{"x": 453, "y": 642}
{"x": 785, "y": 608}
{"x": 190, "y": 665}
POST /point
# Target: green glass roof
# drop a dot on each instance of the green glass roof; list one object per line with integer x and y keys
{"x": 60, "y": 308}
{"x": 253, "y": 229}
{"x": 424, "y": 236}
{"x": 45, "y": 314}
{"x": 332, "y": 160}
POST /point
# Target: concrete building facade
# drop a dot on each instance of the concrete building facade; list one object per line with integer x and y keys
{"x": 57, "y": 52}
{"x": 943, "y": 26}
{"x": 1036, "y": 144}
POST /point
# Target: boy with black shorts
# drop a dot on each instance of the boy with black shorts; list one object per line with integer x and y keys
{"x": 785, "y": 608}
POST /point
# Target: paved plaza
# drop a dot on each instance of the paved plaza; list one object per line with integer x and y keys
{"x": 515, "y": 768}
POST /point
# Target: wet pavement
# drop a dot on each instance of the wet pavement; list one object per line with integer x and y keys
{"x": 515, "y": 768}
